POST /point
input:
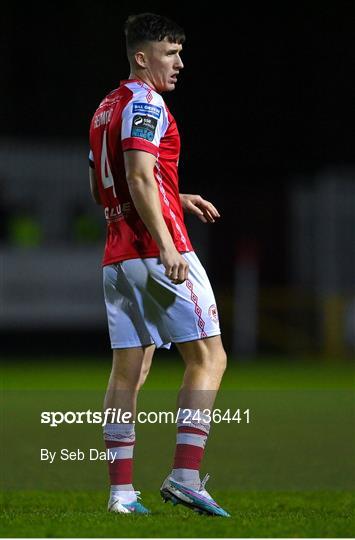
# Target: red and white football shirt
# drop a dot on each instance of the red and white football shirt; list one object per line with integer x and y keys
{"x": 135, "y": 117}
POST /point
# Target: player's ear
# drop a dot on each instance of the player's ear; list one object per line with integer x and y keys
{"x": 140, "y": 58}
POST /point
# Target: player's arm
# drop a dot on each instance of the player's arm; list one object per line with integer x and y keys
{"x": 143, "y": 188}
{"x": 195, "y": 204}
{"x": 93, "y": 186}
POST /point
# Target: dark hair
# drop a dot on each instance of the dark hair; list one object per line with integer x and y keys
{"x": 151, "y": 27}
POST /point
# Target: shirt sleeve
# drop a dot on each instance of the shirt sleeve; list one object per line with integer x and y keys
{"x": 144, "y": 124}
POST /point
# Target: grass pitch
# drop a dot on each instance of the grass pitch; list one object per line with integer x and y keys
{"x": 82, "y": 514}
{"x": 290, "y": 473}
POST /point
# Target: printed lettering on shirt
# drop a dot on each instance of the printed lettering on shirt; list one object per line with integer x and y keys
{"x": 144, "y": 127}
{"x": 102, "y": 118}
{"x": 146, "y": 108}
{"x": 117, "y": 212}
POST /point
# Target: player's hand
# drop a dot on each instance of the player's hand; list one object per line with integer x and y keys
{"x": 195, "y": 204}
{"x": 176, "y": 268}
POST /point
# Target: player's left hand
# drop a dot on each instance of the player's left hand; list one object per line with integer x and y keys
{"x": 195, "y": 204}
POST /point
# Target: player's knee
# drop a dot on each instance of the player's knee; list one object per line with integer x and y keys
{"x": 213, "y": 361}
{"x": 131, "y": 382}
{"x": 143, "y": 375}
{"x": 125, "y": 378}
{"x": 145, "y": 367}
{"x": 221, "y": 361}
{"x": 217, "y": 361}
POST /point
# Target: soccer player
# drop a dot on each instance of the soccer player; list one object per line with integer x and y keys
{"x": 156, "y": 290}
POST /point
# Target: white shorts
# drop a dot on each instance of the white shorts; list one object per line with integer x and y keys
{"x": 144, "y": 307}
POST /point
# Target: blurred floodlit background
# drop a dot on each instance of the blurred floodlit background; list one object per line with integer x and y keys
{"x": 266, "y": 135}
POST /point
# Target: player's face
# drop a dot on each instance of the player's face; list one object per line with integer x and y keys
{"x": 163, "y": 64}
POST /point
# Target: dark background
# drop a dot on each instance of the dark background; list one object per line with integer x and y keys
{"x": 266, "y": 95}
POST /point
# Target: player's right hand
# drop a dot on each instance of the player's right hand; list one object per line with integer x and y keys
{"x": 176, "y": 267}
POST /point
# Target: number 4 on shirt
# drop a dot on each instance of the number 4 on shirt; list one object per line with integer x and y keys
{"x": 106, "y": 174}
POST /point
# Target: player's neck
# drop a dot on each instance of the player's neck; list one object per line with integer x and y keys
{"x": 142, "y": 77}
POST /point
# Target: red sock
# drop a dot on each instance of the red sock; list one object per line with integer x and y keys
{"x": 121, "y": 469}
{"x": 190, "y": 445}
{"x": 119, "y": 440}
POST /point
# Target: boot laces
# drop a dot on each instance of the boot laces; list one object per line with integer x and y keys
{"x": 204, "y": 481}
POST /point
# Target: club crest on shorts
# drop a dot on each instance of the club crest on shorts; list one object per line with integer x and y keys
{"x": 213, "y": 313}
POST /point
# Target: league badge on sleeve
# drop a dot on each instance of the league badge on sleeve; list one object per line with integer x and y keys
{"x": 144, "y": 127}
